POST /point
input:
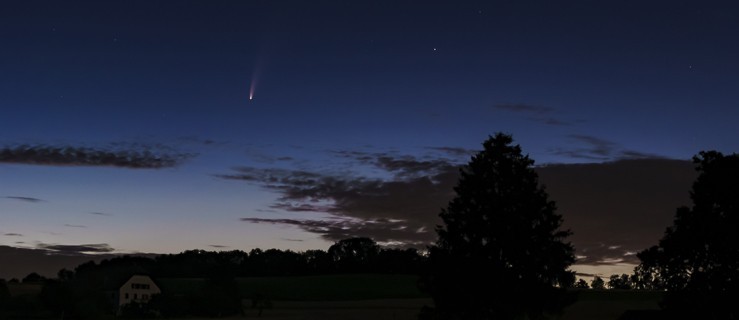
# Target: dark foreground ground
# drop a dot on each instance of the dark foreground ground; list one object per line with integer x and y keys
{"x": 395, "y": 297}
{"x": 592, "y": 305}
{"x": 392, "y": 297}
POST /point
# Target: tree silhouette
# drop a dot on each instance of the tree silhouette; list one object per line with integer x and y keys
{"x": 598, "y": 283}
{"x": 697, "y": 260}
{"x": 581, "y": 284}
{"x": 500, "y": 253}
{"x": 354, "y": 254}
{"x": 620, "y": 282}
{"x": 33, "y": 277}
{"x": 646, "y": 274}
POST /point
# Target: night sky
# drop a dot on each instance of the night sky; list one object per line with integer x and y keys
{"x": 162, "y": 126}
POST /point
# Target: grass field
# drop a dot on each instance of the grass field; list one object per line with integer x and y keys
{"x": 315, "y": 288}
{"x": 591, "y": 305}
{"x": 610, "y": 304}
{"x": 394, "y": 297}
{"x": 333, "y": 287}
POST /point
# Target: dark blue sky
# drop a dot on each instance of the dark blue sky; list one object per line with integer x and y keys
{"x": 151, "y": 101}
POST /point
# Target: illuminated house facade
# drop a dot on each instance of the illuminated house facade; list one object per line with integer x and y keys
{"x": 138, "y": 288}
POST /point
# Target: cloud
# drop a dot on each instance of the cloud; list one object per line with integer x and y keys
{"x": 300, "y": 207}
{"x": 75, "y": 249}
{"x": 454, "y": 151}
{"x": 523, "y": 108}
{"x": 337, "y": 229}
{"x": 599, "y": 149}
{"x": 217, "y": 246}
{"x": 291, "y": 240}
{"x": 410, "y": 166}
{"x": 618, "y": 208}
{"x": 632, "y": 154}
{"x": 384, "y": 209}
{"x": 266, "y": 210}
{"x": 406, "y": 165}
{"x": 25, "y": 199}
{"x": 135, "y": 157}
{"x": 75, "y": 226}
{"x": 199, "y": 141}
{"x": 625, "y": 204}
{"x": 596, "y": 146}
{"x": 11, "y": 234}
{"x": 553, "y": 121}
{"x": 100, "y": 214}
{"x": 18, "y": 262}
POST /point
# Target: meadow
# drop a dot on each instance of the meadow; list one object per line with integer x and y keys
{"x": 370, "y": 296}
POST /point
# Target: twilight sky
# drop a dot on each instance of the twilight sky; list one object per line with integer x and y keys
{"x": 127, "y": 126}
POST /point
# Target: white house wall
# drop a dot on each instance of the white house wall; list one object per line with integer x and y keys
{"x": 137, "y": 288}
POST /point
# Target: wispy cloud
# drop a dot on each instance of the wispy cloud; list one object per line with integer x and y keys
{"x": 454, "y": 151}
{"x": 142, "y": 157}
{"x": 598, "y": 149}
{"x": 199, "y": 141}
{"x": 596, "y": 146}
{"x": 73, "y": 249}
{"x": 553, "y": 122}
{"x": 12, "y": 234}
{"x": 25, "y": 199}
{"x": 75, "y": 226}
{"x": 524, "y": 108}
{"x": 95, "y": 213}
{"x": 405, "y": 166}
{"x": 383, "y": 209}
{"x": 336, "y": 229}
{"x": 217, "y": 246}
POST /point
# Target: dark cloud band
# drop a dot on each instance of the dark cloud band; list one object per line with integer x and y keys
{"x": 25, "y": 199}
{"x": 76, "y": 249}
{"x": 141, "y": 158}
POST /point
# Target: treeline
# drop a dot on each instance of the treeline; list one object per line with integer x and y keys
{"x": 616, "y": 282}
{"x": 355, "y": 255}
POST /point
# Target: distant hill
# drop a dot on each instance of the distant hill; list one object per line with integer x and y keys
{"x": 19, "y": 262}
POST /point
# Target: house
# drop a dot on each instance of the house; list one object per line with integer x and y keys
{"x": 138, "y": 288}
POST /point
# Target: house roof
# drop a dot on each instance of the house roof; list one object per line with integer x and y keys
{"x": 116, "y": 282}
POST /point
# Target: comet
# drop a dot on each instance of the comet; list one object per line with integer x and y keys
{"x": 254, "y": 79}
{"x": 252, "y": 87}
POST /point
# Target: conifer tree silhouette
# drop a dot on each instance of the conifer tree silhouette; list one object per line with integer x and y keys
{"x": 500, "y": 253}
